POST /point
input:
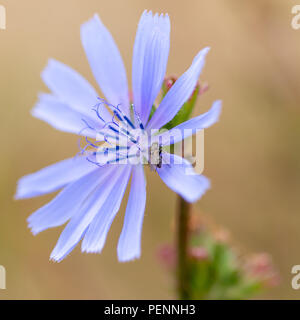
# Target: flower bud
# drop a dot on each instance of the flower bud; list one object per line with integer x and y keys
{"x": 198, "y": 253}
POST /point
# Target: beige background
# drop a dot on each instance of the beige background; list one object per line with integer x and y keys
{"x": 252, "y": 156}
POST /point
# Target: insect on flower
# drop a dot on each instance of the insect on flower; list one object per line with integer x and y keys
{"x": 93, "y": 183}
{"x": 155, "y": 156}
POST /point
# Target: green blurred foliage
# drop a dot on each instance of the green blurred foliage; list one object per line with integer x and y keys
{"x": 219, "y": 275}
{"x": 216, "y": 268}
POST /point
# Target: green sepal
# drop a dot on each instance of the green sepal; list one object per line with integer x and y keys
{"x": 185, "y": 112}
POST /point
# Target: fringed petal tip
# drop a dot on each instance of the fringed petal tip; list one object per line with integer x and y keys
{"x": 88, "y": 248}
{"x": 32, "y": 229}
{"x": 53, "y": 259}
{"x": 50, "y": 62}
{"x": 121, "y": 258}
{"x": 18, "y": 193}
{"x": 156, "y": 18}
{"x": 52, "y": 177}
{"x": 124, "y": 259}
{"x": 105, "y": 61}
{"x": 149, "y": 61}
{"x": 148, "y": 12}
{"x": 91, "y": 251}
{"x": 22, "y": 191}
{"x": 57, "y": 257}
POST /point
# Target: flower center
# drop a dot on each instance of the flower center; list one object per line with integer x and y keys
{"x": 119, "y": 139}
{"x": 122, "y": 141}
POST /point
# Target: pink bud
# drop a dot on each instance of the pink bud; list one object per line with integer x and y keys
{"x": 167, "y": 255}
{"x": 198, "y": 253}
{"x": 169, "y": 81}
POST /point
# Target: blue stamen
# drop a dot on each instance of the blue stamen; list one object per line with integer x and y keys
{"x": 124, "y": 117}
{"x": 138, "y": 118}
{"x": 90, "y": 143}
{"x": 82, "y": 150}
{"x": 118, "y": 116}
{"x": 87, "y": 127}
{"x": 113, "y": 129}
{"x": 97, "y": 111}
{"x": 129, "y": 122}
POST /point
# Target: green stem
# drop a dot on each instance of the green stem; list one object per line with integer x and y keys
{"x": 184, "y": 209}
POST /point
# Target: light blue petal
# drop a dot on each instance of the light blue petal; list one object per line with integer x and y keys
{"x": 190, "y": 186}
{"x": 72, "y": 89}
{"x": 79, "y": 223}
{"x": 179, "y": 93}
{"x": 95, "y": 236}
{"x": 129, "y": 246}
{"x": 183, "y": 130}
{"x": 106, "y": 62}
{"x": 60, "y": 116}
{"x": 150, "y": 57}
{"x": 53, "y": 177}
{"x": 66, "y": 203}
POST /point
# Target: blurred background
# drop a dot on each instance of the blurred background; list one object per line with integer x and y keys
{"x": 252, "y": 155}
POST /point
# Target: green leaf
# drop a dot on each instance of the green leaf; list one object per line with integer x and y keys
{"x": 185, "y": 112}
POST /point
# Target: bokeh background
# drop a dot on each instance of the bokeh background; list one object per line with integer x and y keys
{"x": 252, "y": 155}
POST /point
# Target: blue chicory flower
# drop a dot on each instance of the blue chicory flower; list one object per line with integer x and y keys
{"x": 92, "y": 191}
